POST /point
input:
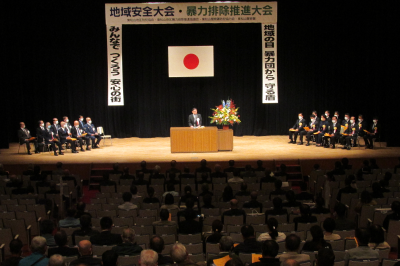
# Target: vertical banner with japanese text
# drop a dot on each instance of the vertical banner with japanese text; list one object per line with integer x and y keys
{"x": 270, "y": 77}
{"x": 114, "y": 49}
{"x": 117, "y": 15}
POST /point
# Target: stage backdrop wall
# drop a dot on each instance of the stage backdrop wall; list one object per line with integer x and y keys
{"x": 337, "y": 58}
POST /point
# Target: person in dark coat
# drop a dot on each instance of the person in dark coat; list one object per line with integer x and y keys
{"x": 106, "y": 237}
{"x": 128, "y": 247}
{"x": 270, "y": 250}
{"x": 250, "y": 243}
{"x": 86, "y": 258}
{"x": 190, "y": 225}
{"x": 234, "y": 211}
{"x": 319, "y": 206}
{"x": 16, "y": 251}
{"x": 348, "y": 189}
{"x": 225, "y": 249}
{"x": 342, "y": 223}
{"x": 253, "y": 203}
{"x": 317, "y": 241}
{"x": 157, "y": 244}
{"x": 86, "y": 228}
{"x": 305, "y": 216}
{"x": 61, "y": 240}
{"x": 278, "y": 189}
{"x": 277, "y": 210}
{"x": 304, "y": 194}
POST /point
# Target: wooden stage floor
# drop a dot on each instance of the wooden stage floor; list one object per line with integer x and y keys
{"x": 157, "y": 150}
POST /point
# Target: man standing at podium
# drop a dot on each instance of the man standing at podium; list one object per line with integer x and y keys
{"x": 195, "y": 119}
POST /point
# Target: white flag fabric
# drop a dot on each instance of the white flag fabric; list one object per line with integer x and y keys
{"x": 191, "y": 61}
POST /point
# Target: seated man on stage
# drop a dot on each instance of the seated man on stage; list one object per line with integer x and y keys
{"x": 297, "y": 128}
{"x": 91, "y": 131}
{"x": 350, "y": 134}
{"x": 345, "y": 121}
{"x": 77, "y": 134}
{"x": 313, "y": 125}
{"x": 195, "y": 119}
{"x": 373, "y": 132}
{"x": 81, "y": 122}
{"x": 65, "y": 136}
{"x": 338, "y": 120}
{"x": 327, "y": 115}
{"x": 25, "y": 138}
{"x": 334, "y": 133}
{"x": 49, "y": 138}
{"x": 361, "y": 126}
{"x": 66, "y": 120}
{"x": 323, "y": 128}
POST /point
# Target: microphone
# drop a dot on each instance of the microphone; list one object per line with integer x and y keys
{"x": 198, "y": 119}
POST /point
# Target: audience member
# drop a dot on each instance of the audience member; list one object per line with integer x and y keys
{"x": 171, "y": 189}
{"x": 126, "y": 175}
{"x": 304, "y": 194}
{"x": 330, "y": 225}
{"x": 236, "y": 178}
{"x": 86, "y": 258}
{"x": 376, "y": 191}
{"x": 260, "y": 167}
{"x": 190, "y": 225}
{"x": 291, "y": 200}
{"x": 317, "y": 241}
{"x": 231, "y": 167}
{"x": 205, "y": 190}
{"x": 80, "y": 210}
{"x": 372, "y": 164}
{"x": 305, "y": 216}
{"x": 180, "y": 255}
{"x": 46, "y": 231}
{"x": 16, "y": 251}
{"x": 326, "y": 257}
{"x": 128, "y": 246}
{"x": 234, "y": 211}
{"x": 393, "y": 216}
{"x": 157, "y": 244}
{"x": 365, "y": 200}
{"x": 377, "y": 240}
{"x": 320, "y": 206}
{"x": 273, "y": 233}
{"x": 164, "y": 216}
{"x": 106, "y": 237}
{"x": 363, "y": 251}
{"x": 107, "y": 182}
{"x": 188, "y": 195}
{"x": 348, "y": 187}
{"x": 86, "y": 228}
{"x": 227, "y": 195}
{"x": 270, "y": 250}
{"x": 342, "y": 223}
{"x": 216, "y": 235}
{"x": 243, "y": 190}
{"x": 38, "y": 256}
{"x": 140, "y": 180}
{"x": 148, "y": 257}
{"x": 278, "y": 189}
{"x": 150, "y": 196}
{"x": 156, "y": 174}
{"x": 134, "y": 191}
{"x": 203, "y": 167}
{"x": 204, "y": 179}
{"x": 292, "y": 244}
{"x": 109, "y": 258}
{"x": 127, "y": 205}
{"x": 173, "y": 169}
{"x": 61, "y": 240}
{"x": 169, "y": 203}
{"x": 57, "y": 260}
{"x": 248, "y": 172}
{"x": 70, "y": 220}
{"x": 250, "y": 243}
{"x": 268, "y": 178}
{"x": 253, "y": 203}
{"x": 207, "y": 200}
{"x": 277, "y": 210}
{"x": 218, "y": 172}
{"x": 225, "y": 248}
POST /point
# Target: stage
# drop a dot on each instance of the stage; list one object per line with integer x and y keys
{"x": 247, "y": 150}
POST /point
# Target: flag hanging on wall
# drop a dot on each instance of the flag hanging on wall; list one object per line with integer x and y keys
{"x": 190, "y": 61}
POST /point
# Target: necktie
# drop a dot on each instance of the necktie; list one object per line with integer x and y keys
{"x": 79, "y": 132}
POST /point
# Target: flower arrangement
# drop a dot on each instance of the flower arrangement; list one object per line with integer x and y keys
{"x": 225, "y": 114}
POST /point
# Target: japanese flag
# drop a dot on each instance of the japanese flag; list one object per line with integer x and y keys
{"x": 191, "y": 61}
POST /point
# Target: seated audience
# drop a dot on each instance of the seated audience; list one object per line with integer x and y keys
{"x": 305, "y": 216}
{"x": 250, "y": 243}
{"x": 218, "y": 172}
{"x": 109, "y": 258}
{"x": 326, "y": 257}
{"x": 204, "y": 179}
{"x": 157, "y": 244}
{"x": 156, "y": 174}
{"x": 231, "y": 167}
{"x": 253, "y": 203}
{"x": 86, "y": 228}
{"x": 372, "y": 164}
{"x": 282, "y": 170}
{"x": 171, "y": 189}
{"x": 172, "y": 179}
{"x": 268, "y": 178}
{"x": 38, "y": 256}
{"x": 46, "y": 231}
{"x": 248, "y": 172}
{"x": 188, "y": 195}
{"x": 348, "y": 187}
{"x": 235, "y": 179}
{"x": 205, "y": 190}
{"x": 260, "y": 167}
{"x": 304, "y": 194}
{"x": 127, "y": 205}
{"x": 57, "y": 260}
{"x": 393, "y": 216}
{"x": 227, "y": 194}
{"x": 70, "y": 220}
{"x": 148, "y": 257}
{"x": 277, "y": 210}
{"x": 107, "y": 182}
{"x": 126, "y": 175}
{"x": 225, "y": 248}
{"x": 203, "y": 167}
{"x": 190, "y": 225}
{"x": 80, "y": 210}
{"x": 173, "y": 169}
{"x": 346, "y": 165}
{"x": 150, "y": 196}
{"x": 338, "y": 170}
{"x": 291, "y": 200}
{"x": 342, "y": 223}
{"x": 189, "y": 209}
{"x": 376, "y": 191}
{"x": 169, "y": 203}
{"x": 243, "y": 190}
{"x": 234, "y": 211}
{"x": 365, "y": 200}
{"x": 143, "y": 168}
{"x": 363, "y": 251}
{"x": 207, "y": 200}
{"x": 292, "y": 244}
{"x": 134, "y": 192}
{"x": 216, "y": 235}
{"x": 330, "y": 225}
{"x": 128, "y": 246}
{"x": 61, "y": 240}
{"x": 106, "y": 237}
{"x": 164, "y": 216}
{"x": 278, "y": 189}
{"x": 270, "y": 250}
{"x": 86, "y": 255}
{"x": 317, "y": 241}
{"x": 273, "y": 233}
{"x": 186, "y": 173}
{"x": 16, "y": 251}
{"x": 320, "y": 206}
{"x": 364, "y": 170}
{"x": 180, "y": 255}
{"x": 139, "y": 181}
{"x": 377, "y": 240}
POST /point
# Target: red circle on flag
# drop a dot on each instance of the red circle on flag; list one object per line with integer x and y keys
{"x": 191, "y": 61}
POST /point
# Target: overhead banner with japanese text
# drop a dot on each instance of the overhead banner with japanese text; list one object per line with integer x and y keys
{"x": 117, "y": 15}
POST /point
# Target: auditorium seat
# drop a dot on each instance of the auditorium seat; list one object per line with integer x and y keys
{"x": 99, "y": 250}
{"x": 128, "y": 260}
{"x": 363, "y": 263}
{"x": 186, "y": 239}
{"x": 165, "y": 230}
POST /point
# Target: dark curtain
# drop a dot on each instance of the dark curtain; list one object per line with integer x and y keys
{"x": 331, "y": 56}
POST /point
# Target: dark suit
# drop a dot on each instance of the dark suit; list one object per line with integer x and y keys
{"x": 274, "y": 212}
{"x": 192, "y": 122}
{"x": 49, "y": 139}
{"x": 323, "y": 128}
{"x": 249, "y": 245}
{"x": 63, "y": 251}
{"x": 63, "y": 134}
{"x": 335, "y": 130}
{"x": 299, "y": 125}
{"x": 77, "y": 133}
{"x": 361, "y": 126}
{"x": 352, "y": 134}
{"x": 106, "y": 238}
{"x": 91, "y": 129}
{"x": 313, "y": 128}
{"x": 54, "y": 129}
{"x": 24, "y": 135}
{"x": 374, "y": 129}
{"x": 82, "y": 125}
{"x": 234, "y": 212}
